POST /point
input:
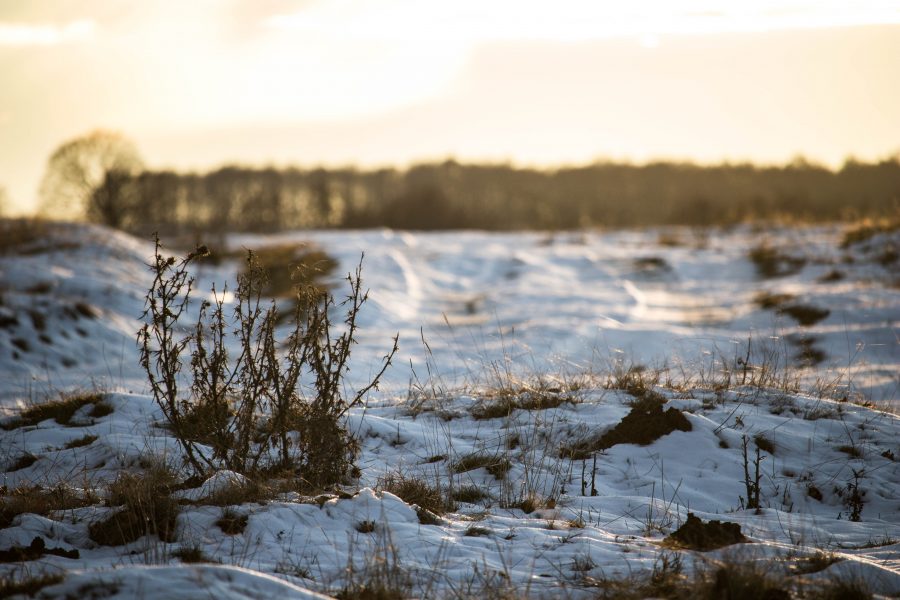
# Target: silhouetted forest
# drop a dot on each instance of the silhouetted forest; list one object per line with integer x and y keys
{"x": 451, "y": 195}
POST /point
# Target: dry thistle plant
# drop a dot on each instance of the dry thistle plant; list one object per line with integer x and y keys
{"x": 255, "y": 403}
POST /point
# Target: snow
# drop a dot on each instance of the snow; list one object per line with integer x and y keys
{"x": 496, "y": 311}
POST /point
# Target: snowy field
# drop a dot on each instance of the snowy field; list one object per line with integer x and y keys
{"x": 565, "y": 333}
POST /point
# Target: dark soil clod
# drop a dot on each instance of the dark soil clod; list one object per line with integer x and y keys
{"x": 37, "y": 549}
{"x": 808, "y": 354}
{"x": 805, "y": 315}
{"x": 771, "y": 263}
{"x": 697, "y": 535}
{"x": 646, "y": 423}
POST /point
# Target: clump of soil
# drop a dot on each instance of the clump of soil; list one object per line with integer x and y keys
{"x": 697, "y": 535}
{"x": 646, "y": 423}
{"x": 37, "y": 549}
{"x": 805, "y": 315}
{"x": 807, "y": 355}
{"x": 784, "y": 304}
{"x": 771, "y": 301}
{"x": 771, "y": 262}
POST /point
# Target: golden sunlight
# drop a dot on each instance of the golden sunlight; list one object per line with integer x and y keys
{"x": 337, "y": 81}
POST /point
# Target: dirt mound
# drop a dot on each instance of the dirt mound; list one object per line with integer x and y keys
{"x": 37, "y": 549}
{"x": 646, "y": 423}
{"x": 697, "y": 535}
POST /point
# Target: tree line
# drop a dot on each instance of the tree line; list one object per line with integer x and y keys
{"x": 452, "y": 195}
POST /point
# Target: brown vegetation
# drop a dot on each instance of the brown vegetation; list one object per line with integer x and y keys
{"x": 62, "y": 410}
{"x": 248, "y": 408}
{"x": 451, "y": 195}
{"x": 146, "y": 507}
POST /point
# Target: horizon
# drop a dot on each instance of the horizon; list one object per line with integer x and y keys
{"x": 337, "y": 83}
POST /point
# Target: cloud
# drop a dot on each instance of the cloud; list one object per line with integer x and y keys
{"x": 21, "y": 34}
{"x": 475, "y": 21}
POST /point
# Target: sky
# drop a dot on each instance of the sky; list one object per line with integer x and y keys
{"x": 203, "y": 83}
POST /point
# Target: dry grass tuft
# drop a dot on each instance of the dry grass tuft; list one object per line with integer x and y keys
{"x": 470, "y": 494}
{"x": 191, "y": 555}
{"x": 381, "y": 577}
{"x": 37, "y": 500}
{"x": 771, "y": 263}
{"x": 231, "y": 522}
{"x": 81, "y": 442}
{"x": 23, "y": 462}
{"x": 62, "y": 410}
{"x": 414, "y": 490}
{"x": 147, "y": 508}
{"x": 29, "y": 586}
{"x": 502, "y": 404}
{"x": 251, "y": 490}
{"x": 867, "y": 229}
{"x": 20, "y": 236}
{"x": 815, "y": 563}
{"x": 498, "y": 466}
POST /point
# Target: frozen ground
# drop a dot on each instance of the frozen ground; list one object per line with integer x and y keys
{"x": 528, "y": 303}
{"x": 496, "y": 311}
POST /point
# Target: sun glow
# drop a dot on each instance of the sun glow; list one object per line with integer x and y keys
{"x": 17, "y": 34}
{"x": 401, "y": 80}
{"x": 474, "y": 21}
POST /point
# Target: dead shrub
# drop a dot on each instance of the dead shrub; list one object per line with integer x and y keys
{"x": 279, "y": 404}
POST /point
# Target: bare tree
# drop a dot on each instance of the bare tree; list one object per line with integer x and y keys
{"x": 111, "y": 202}
{"x": 79, "y": 167}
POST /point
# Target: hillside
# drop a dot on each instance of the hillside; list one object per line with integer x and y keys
{"x": 561, "y": 410}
